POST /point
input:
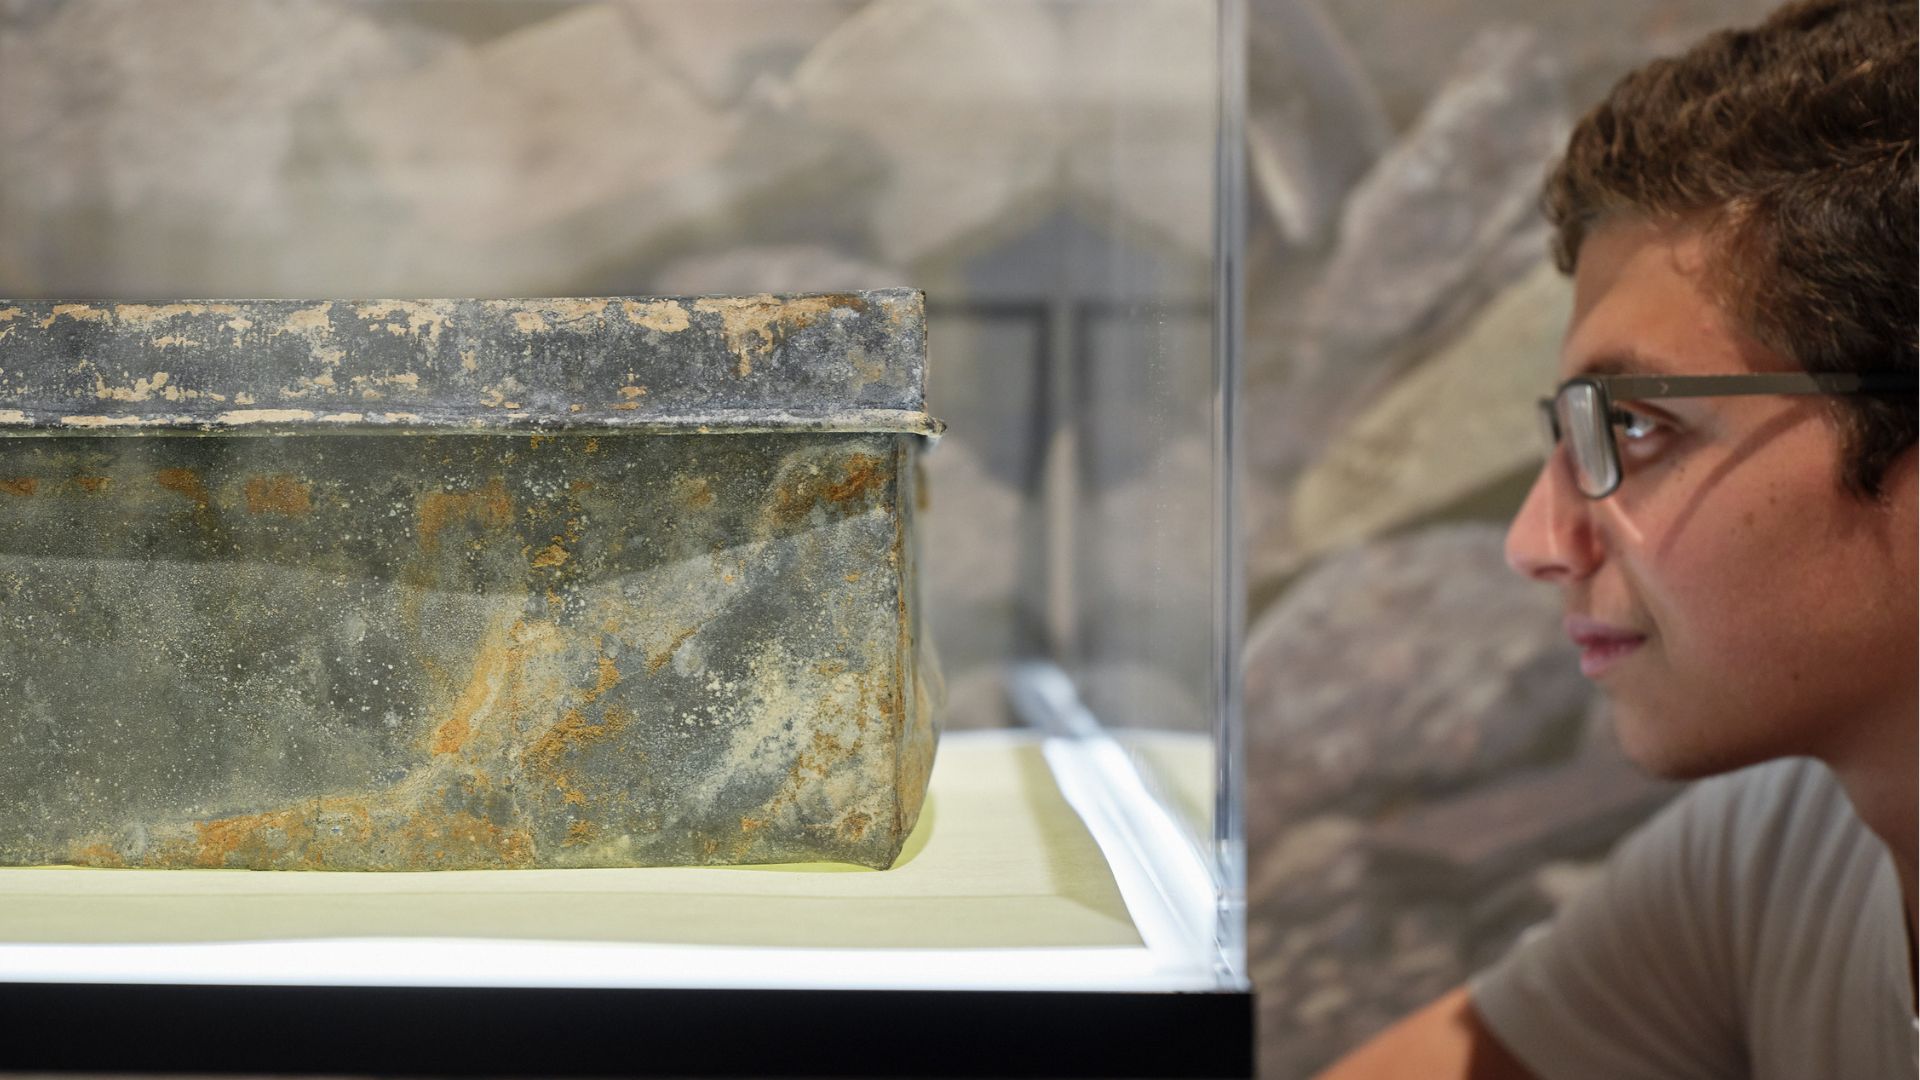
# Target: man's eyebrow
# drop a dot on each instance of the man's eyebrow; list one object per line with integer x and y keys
{"x": 1621, "y": 362}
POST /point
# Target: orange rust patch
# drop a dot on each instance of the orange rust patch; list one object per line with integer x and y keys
{"x": 328, "y": 833}
{"x": 489, "y": 668}
{"x": 93, "y": 485}
{"x": 184, "y": 482}
{"x": 97, "y": 855}
{"x": 464, "y": 840}
{"x": 451, "y": 735}
{"x": 658, "y": 660}
{"x": 696, "y": 491}
{"x": 861, "y": 477}
{"x": 608, "y": 678}
{"x": 278, "y": 494}
{"x": 20, "y": 485}
{"x": 551, "y": 555}
{"x": 579, "y": 832}
{"x": 569, "y": 735}
{"x": 863, "y": 473}
{"x": 490, "y": 507}
{"x": 855, "y": 825}
{"x": 812, "y": 764}
{"x": 220, "y": 840}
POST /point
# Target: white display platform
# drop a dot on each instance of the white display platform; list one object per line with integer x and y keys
{"x": 1025, "y": 873}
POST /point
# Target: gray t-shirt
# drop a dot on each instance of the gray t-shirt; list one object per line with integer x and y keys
{"x": 1752, "y": 929}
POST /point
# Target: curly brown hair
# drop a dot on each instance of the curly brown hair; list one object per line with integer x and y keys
{"x": 1792, "y": 145}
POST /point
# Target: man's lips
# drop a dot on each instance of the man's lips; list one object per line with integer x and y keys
{"x": 1601, "y": 645}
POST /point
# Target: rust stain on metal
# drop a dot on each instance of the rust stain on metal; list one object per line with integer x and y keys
{"x": 22, "y": 486}
{"x": 93, "y": 485}
{"x": 280, "y": 493}
{"x": 573, "y": 731}
{"x": 496, "y": 686}
{"x": 490, "y": 507}
{"x": 855, "y": 824}
{"x": 694, "y": 491}
{"x": 550, "y": 556}
{"x": 185, "y": 482}
{"x": 102, "y": 855}
{"x": 606, "y": 678}
{"x": 659, "y": 658}
{"x": 862, "y": 477}
{"x": 335, "y": 832}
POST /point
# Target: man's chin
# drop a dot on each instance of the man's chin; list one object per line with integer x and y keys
{"x": 1673, "y": 751}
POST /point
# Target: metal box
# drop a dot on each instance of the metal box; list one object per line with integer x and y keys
{"x": 407, "y": 585}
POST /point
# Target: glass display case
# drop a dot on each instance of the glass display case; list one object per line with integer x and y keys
{"x": 1062, "y": 179}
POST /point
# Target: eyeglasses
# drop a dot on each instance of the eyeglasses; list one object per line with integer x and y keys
{"x": 1581, "y": 413}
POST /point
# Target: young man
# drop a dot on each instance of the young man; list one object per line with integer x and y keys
{"x": 1729, "y": 515}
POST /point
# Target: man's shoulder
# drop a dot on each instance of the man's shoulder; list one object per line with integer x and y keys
{"x": 1699, "y": 947}
{"x": 1763, "y": 820}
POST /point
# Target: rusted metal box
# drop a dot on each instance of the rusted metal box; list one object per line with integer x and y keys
{"x": 405, "y": 585}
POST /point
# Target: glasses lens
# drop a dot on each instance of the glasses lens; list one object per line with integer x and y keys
{"x": 1589, "y": 439}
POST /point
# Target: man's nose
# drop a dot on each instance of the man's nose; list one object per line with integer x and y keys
{"x": 1552, "y": 537}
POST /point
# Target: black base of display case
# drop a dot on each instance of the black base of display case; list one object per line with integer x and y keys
{"x": 527, "y": 1032}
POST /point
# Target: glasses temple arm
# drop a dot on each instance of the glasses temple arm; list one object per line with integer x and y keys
{"x": 1632, "y": 387}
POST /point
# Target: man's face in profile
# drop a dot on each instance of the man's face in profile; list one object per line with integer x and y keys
{"x": 1732, "y": 598}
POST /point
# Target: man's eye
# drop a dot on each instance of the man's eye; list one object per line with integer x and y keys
{"x": 1636, "y": 425}
{"x": 1641, "y": 437}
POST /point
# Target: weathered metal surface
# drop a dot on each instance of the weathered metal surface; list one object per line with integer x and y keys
{"x": 617, "y": 641}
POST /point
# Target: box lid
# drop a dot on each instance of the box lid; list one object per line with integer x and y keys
{"x": 825, "y": 362}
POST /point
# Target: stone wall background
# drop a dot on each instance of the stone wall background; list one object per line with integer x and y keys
{"x": 1414, "y": 722}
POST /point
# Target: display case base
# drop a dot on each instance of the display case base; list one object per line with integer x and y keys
{"x": 1014, "y": 938}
